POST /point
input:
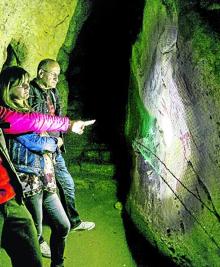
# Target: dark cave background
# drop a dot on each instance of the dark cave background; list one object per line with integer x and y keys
{"x": 98, "y": 73}
{"x": 98, "y": 77}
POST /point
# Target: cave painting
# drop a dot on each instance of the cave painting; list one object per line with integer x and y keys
{"x": 166, "y": 147}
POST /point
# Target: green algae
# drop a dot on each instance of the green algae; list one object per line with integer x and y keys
{"x": 205, "y": 50}
{"x": 142, "y": 54}
{"x": 139, "y": 120}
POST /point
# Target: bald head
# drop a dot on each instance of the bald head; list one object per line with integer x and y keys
{"x": 47, "y": 63}
{"x": 47, "y": 73}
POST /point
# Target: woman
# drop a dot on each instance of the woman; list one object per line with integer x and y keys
{"x": 31, "y": 155}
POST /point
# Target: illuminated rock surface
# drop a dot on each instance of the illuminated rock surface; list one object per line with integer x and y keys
{"x": 173, "y": 127}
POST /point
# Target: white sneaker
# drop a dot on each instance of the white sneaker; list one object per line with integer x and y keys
{"x": 84, "y": 226}
{"x": 45, "y": 250}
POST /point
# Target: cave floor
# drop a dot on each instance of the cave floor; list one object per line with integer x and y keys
{"x": 95, "y": 198}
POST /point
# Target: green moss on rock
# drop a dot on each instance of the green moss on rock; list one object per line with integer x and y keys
{"x": 185, "y": 225}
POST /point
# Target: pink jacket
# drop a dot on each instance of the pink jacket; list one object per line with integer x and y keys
{"x": 32, "y": 122}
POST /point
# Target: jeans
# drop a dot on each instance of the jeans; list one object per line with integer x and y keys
{"x": 58, "y": 221}
{"x": 67, "y": 190}
{"x": 18, "y": 235}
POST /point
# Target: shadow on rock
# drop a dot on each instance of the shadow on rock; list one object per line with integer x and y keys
{"x": 144, "y": 254}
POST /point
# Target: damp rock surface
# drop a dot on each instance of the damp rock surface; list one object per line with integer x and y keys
{"x": 173, "y": 130}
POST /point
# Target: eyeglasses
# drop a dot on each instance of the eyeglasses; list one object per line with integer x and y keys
{"x": 52, "y": 74}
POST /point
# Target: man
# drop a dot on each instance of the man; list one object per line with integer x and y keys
{"x": 44, "y": 98}
{"x": 17, "y": 231}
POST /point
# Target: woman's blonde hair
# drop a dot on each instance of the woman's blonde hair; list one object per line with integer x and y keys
{"x": 10, "y": 77}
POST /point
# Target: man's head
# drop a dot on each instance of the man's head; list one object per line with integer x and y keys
{"x": 47, "y": 73}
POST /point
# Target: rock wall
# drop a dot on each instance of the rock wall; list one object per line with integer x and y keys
{"x": 31, "y": 30}
{"x": 173, "y": 129}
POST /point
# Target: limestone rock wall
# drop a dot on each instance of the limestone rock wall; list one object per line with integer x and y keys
{"x": 31, "y": 30}
{"x": 173, "y": 129}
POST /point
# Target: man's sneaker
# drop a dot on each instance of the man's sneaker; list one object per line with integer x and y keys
{"x": 84, "y": 226}
{"x": 45, "y": 250}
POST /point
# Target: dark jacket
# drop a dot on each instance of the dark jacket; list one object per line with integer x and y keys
{"x": 38, "y": 101}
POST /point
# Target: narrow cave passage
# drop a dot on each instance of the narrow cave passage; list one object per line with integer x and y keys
{"x": 98, "y": 74}
{"x": 98, "y": 77}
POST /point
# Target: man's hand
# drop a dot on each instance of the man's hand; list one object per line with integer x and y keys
{"x": 78, "y": 126}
